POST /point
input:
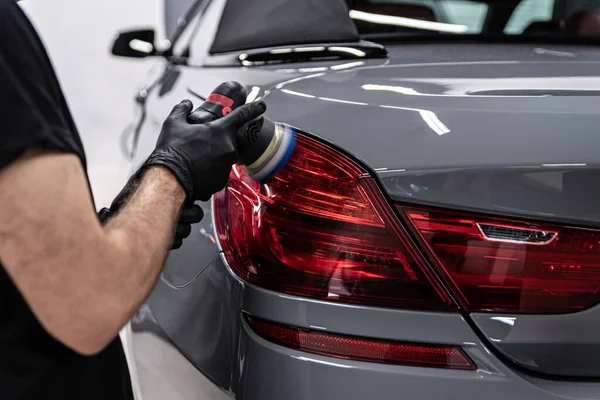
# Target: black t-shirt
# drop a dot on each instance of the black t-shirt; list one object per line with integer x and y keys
{"x": 34, "y": 114}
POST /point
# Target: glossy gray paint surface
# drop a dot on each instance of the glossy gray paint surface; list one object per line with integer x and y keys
{"x": 200, "y": 320}
{"x": 480, "y": 107}
{"x": 382, "y": 323}
{"x": 198, "y": 302}
{"x": 272, "y": 372}
{"x": 556, "y": 344}
{"x": 462, "y": 106}
{"x": 551, "y": 192}
{"x": 252, "y": 368}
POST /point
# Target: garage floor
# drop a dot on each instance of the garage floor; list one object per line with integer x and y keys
{"x": 163, "y": 373}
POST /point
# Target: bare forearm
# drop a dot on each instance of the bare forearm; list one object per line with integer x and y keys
{"x": 120, "y": 267}
{"x": 141, "y": 236}
{"x": 83, "y": 281}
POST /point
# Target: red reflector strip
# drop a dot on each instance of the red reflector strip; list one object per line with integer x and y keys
{"x": 367, "y": 350}
{"x": 221, "y": 100}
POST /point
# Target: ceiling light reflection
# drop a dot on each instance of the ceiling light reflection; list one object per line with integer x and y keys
{"x": 319, "y": 69}
{"x": 565, "y": 165}
{"x": 385, "y": 172}
{"x": 301, "y": 78}
{"x": 280, "y": 51}
{"x": 449, "y": 92}
{"x": 287, "y": 91}
{"x": 349, "y": 50}
{"x": 307, "y": 49}
{"x": 505, "y": 320}
{"x": 141, "y": 46}
{"x": 314, "y": 360}
{"x": 407, "y": 22}
{"x": 429, "y": 117}
{"x": 395, "y": 89}
{"x": 253, "y": 94}
{"x": 347, "y": 65}
{"x": 314, "y": 69}
{"x": 343, "y": 101}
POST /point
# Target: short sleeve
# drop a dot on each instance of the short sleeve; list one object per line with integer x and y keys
{"x": 32, "y": 113}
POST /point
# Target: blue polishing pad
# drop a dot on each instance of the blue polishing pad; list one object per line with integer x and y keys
{"x": 285, "y": 156}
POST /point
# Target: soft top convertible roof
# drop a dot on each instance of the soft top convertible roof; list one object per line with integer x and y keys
{"x": 251, "y": 24}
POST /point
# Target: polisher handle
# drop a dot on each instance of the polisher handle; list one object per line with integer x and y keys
{"x": 224, "y": 99}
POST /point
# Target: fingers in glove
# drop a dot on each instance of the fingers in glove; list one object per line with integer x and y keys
{"x": 219, "y": 178}
{"x": 104, "y": 214}
{"x": 191, "y": 215}
{"x": 182, "y": 109}
{"x": 233, "y": 121}
{"x": 183, "y": 231}
{"x": 176, "y": 244}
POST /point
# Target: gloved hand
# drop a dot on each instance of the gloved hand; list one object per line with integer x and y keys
{"x": 201, "y": 155}
{"x": 189, "y": 216}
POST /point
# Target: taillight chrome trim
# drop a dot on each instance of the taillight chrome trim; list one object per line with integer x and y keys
{"x": 529, "y": 241}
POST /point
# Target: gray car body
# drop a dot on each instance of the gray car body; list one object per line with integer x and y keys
{"x": 427, "y": 108}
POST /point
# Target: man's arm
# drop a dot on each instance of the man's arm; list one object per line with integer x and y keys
{"x": 82, "y": 281}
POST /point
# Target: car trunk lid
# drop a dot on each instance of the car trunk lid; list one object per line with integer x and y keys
{"x": 509, "y": 133}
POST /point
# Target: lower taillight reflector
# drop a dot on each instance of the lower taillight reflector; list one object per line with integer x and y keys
{"x": 361, "y": 349}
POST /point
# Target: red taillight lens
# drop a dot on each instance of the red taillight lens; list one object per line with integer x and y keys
{"x": 508, "y": 266}
{"x": 362, "y": 349}
{"x": 322, "y": 229}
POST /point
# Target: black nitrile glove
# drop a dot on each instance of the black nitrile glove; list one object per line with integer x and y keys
{"x": 189, "y": 216}
{"x": 201, "y": 155}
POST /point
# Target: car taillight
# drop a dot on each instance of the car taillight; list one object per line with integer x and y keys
{"x": 322, "y": 229}
{"x": 511, "y": 266}
{"x": 363, "y": 349}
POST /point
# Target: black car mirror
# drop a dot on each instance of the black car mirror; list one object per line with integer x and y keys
{"x": 136, "y": 44}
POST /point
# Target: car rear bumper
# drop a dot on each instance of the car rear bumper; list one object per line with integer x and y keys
{"x": 271, "y": 372}
{"x": 204, "y": 323}
{"x": 268, "y": 371}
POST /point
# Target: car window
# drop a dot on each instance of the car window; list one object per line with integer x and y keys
{"x": 528, "y": 12}
{"x": 409, "y": 16}
{"x": 526, "y": 17}
{"x": 468, "y": 13}
{"x": 563, "y": 17}
{"x": 565, "y": 8}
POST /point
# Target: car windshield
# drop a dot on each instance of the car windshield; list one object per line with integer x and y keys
{"x": 576, "y": 18}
